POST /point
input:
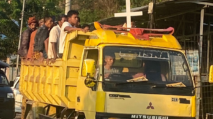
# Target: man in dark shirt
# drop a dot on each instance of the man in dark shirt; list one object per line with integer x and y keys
{"x": 25, "y": 37}
{"x": 41, "y": 35}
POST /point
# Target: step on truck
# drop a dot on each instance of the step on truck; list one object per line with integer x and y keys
{"x": 111, "y": 74}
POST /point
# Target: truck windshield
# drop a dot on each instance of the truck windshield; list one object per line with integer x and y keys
{"x": 152, "y": 68}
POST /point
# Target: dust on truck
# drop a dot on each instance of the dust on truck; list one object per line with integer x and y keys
{"x": 149, "y": 78}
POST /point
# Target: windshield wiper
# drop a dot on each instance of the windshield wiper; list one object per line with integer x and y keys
{"x": 179, "y": 88}
{"x": 140, "y": 82}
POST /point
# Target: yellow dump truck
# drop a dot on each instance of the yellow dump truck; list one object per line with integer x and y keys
{"x": 105, "y": 74}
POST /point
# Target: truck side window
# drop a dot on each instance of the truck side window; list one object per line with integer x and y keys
{"x": 91, "y": 54}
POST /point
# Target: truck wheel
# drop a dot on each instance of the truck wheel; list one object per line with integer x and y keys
{"x": 30, "y": 115}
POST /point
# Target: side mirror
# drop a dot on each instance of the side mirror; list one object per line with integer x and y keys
{"x": 11, "y": 83}
{"x": 88, "y": 71}
{"x": 211, "y": 74}
{"x": 88, "y": 68}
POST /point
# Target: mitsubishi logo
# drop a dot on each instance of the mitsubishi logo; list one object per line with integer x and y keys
{"x": 150, "y": 106}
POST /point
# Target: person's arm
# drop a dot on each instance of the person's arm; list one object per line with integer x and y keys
{"x": 106, "y": 75}
{"x": 54, "y": 50}
{"x": 53, "y": 39}
{"x": 70, "y": 29}
{"x": 46, "y": 45}
{"x": 37, "y": 39}
{"x": 25, "y": 39}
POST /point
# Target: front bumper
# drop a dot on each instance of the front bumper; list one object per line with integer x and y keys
{"x": 7, "y": 108}
{"x": 135, "y": 116}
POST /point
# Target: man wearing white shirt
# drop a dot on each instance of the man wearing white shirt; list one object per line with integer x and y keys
{"x": 69, "y": 26}
{"x": 54, "y": 38}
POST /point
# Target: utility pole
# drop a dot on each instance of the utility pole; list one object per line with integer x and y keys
{"x": 151, "y": 13}
{"x": 21, "y": 26}
{"x": 67, "y": 6}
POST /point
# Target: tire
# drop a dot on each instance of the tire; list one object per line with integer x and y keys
{"x": 81, "y": 117}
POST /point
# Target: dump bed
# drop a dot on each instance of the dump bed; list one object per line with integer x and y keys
{"x": 55, "y": 83}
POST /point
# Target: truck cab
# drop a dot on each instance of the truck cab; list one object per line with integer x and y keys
{"x": 108, "y": 75}
{"x": 146, "y": 79}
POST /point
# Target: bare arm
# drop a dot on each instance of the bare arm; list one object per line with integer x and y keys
{"x": 54, "y": 50}
{"x": 70, "y": 29}
{"x": 46, "y": 45}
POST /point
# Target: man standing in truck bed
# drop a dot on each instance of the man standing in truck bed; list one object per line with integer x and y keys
{"x": 69, "y": 26}
{"x": 41, "y": 35}
{"x": 54, "y": 39}
{"x": 25, "y": 37}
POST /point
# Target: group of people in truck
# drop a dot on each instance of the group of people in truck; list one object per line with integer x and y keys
{"x": 47, "y": 41}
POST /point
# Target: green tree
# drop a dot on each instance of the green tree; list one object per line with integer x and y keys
{"x": 93, "y": 10}
{"x": 9, "y": 29}
{"x": 10, "y": 13}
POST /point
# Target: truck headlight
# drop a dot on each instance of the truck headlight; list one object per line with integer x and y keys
{"x": 10, "y": 95}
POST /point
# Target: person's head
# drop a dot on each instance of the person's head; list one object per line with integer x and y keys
{"x": 86, "y": 27}
{"x": 133, "y": 24}
{"x": 72, "y": 16}
{"x": 41, "y": 22}
{"x": 61, "y": 19}
{"x": 48, "y": 21}
{"x": 109, "y": 59}
{"x": 32, "y": 23}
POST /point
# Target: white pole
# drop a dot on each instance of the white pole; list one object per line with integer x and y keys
{"x": 21, "y": 26}
{"x": 67, "y": 6}
{"x": 202, "y": 12}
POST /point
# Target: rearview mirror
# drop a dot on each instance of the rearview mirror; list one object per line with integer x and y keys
{"x": 11, "y": 83}
{"x": 88, "y": 68}
{"x": 211, "y": 74}
{"x": 88, "y": 71}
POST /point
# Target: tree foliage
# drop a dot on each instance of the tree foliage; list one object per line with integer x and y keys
{"x": 10, "y": 14}
{"x": 93, "y": 10}
{"x": 90, "y": 11}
